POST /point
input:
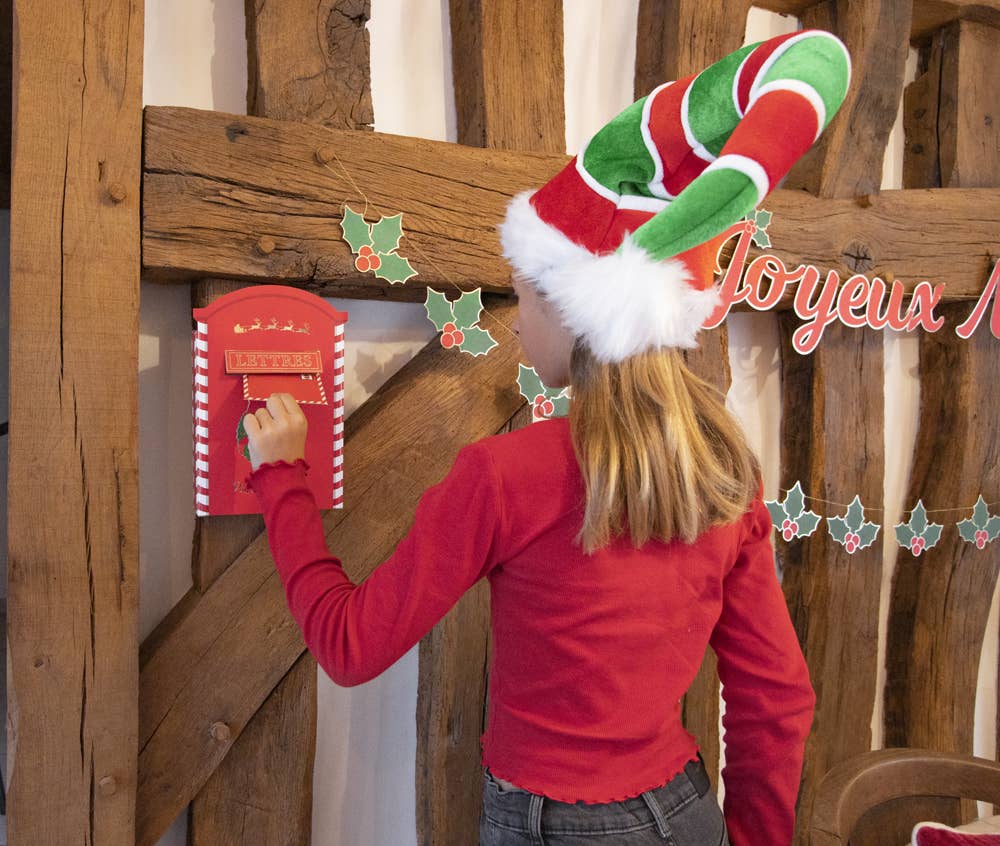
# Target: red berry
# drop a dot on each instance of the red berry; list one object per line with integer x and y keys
{"x": 365, "y": 251}
{"x": 548, "y": 408}
{"x": 794, "y": 527}
{"x": 539, "y": 399}
{"x": 851, "y": 546}
{"x": 787, "y": 533}
{"x": 449, "y": 327}
{"x": 362, "y": 264}
{"x": 459, "y": 336}
{"x": 375, "y": 262}
{"x": 786, "y": 523}
{"x": 448, "y": 340}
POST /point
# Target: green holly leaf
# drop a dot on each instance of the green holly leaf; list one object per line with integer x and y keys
{"x": 795, "y": 501}
{"x": 918, "y": 518}
{"x": 867, "y": 534}
{"x": 529, "y": 382}
{"x": 855, "y": 514}
{"x": 762, "y": 219}
{"x": 932, "y": 535}
{"x": 476, "y": 341}
{"x": 967, "y": 530}
{"x": 439, "y": 310}
{"x": 468, "y": 309}
{"x": 394, "y": 268}
{"x": 980, "y": 514}
{"x": 992, "y": 528}
{"x": 808, "y": 521}
{"x": 838, "y": 529}
{"x": 386, "y": 233}
{"x": 561, "y": 404}
{"x": 761, "y": 239}
{"x": 904, "y": 534}
{"x": 356, "y": 230}
{"x": 777, "y": 512}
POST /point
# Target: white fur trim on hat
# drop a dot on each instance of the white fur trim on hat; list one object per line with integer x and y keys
{"x": 621, "y": 303}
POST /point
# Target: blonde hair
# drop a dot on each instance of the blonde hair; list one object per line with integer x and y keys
{"x": 659, "y": 452}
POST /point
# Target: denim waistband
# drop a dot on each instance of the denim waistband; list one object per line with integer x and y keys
{"x": 512, "y": 807}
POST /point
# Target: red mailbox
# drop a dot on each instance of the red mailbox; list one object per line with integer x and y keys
{"x": 247, "y": 346}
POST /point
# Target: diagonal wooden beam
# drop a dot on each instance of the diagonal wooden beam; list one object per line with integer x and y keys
{"x": 209, "y": 675}
{"x": 208, "y": 200}
{"x": 73, "y": 528}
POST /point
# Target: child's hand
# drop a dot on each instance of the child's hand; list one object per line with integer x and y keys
{"x": 276, "y": 432}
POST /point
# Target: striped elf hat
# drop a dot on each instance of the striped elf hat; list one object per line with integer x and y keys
{"x": 624, "y": 239}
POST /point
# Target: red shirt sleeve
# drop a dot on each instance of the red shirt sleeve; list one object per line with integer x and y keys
{"x": 765, "y": 685}
{"x": 356, "y": 631}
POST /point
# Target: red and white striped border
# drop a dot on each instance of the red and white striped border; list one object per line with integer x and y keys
{"x": 338, "y": 416}
{"x": 200, "y": 421}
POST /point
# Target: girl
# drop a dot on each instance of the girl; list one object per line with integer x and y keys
{"x": 620, "y": 542}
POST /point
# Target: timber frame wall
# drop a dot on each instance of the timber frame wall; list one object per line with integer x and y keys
{"x": 108, "y": 742}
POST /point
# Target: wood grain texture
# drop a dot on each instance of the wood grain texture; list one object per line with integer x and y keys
{"x": 72, "y": 516}
{"x": 261, "y": 793}
{"x": 206, "y": 204}
{"x": 309, "y": 61}
{"x": 833, "y": 414}
{"x": 6, "y": 69}
{"x": 225, "y": 657}
{"x": 508, "y": 66}
{"x": 952, "y": 111}
{"x": 675, "y": 38}
{"x": 940, "y": 600}
{"x": 931, "y": 15}
{"x": 507, "y": 63}
{"x": 831, "y": 441}
{"x": 847, "y": 159}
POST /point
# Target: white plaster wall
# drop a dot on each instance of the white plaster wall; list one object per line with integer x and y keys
{"x": 196, "y": 56}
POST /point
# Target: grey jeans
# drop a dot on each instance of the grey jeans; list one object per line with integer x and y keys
{"x": 683, "y": 812}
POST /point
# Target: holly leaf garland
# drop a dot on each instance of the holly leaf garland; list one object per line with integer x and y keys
{"x": 545, "y": 402}
{"x": 918, "y": 535}
{"x": 456, "y": 321}
{"x": 982, "y": 528}
{"x": 851, "y": 531}
{"x": 761, "y": 220}
{"x": 375, "y": 246}
{"x": 790, "y": 517}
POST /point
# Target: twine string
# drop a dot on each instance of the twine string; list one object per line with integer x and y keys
{"x": 415, "y": 247}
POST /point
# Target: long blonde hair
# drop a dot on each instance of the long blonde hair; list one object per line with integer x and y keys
{"x": 660, "y": 454}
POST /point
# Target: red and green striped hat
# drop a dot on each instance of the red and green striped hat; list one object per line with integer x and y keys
{"x": 624, "y": 239}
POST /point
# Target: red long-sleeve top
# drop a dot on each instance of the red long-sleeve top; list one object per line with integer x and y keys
{"x": 591, "y": 653}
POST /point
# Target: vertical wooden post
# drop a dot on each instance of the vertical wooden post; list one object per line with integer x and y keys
{"x": 507, "y": 65}
{"x": 832, "y": 416}
{"x": 73, "y": 509}
{"x": 675, "y": 39}
{"x": 308, "y": 60}
{"x": 941, "y": 600}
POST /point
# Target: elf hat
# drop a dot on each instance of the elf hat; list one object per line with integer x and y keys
{"x": 624, "y": 239}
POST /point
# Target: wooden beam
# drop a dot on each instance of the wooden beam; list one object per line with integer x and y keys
{"x": 928, "y": 15}
{"x": 507, "y": 60}
{"x": 259, "y": 177}
{"x": 73, "y": 527}
{"x": 309, "y": 61}
{"x": 833, "y": 415}
{"x": 6, "y": 69}
{"x": 210, "y": 674}
{"x": 675, "y": 38}
{"x": 875, "y": 34}
{"x": 206, "y": 205}
{"x": 940, "y": 600}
